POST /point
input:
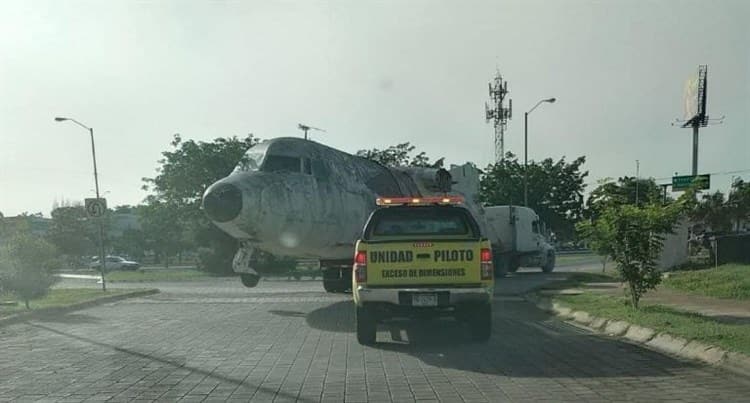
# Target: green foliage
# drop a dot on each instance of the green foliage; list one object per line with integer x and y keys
{"x": 555, "y": 189}
{"x": 632, "y": 236}
{"x": 25, "y": 263}
{"x": 172, "y": 219}
{"x": 739, "y": 202}
{"x": 397, "y": 156}
{"x": 726, "y": 281}
{"x": 624, "y": 191}
{"x": 713, "y": 212}
{"x": 71, "y": 232}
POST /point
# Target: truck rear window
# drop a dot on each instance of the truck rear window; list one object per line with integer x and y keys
{"x": 426, "y": 221}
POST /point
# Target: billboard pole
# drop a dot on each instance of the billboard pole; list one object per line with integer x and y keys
{"x": 696, "y": 115}
{"x": 695, "y": 149}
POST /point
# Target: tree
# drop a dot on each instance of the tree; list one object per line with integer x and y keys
{"x": 397, "y": 156}
{"x": 163, "y": 228}
{"x": 713, "y": 211}
{"x": 25, "y": 263}
{"x": 626, "y": 190}
{"x": 555, "y": 189}
{"x": 739, "y": 202}
{"x": 182, "y": 178}
{"x": 71, "y": 232}
{"x": 598, "y": 235}
{"x": 633, "y": 237}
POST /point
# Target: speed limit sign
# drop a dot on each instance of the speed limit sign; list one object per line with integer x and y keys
{"x": 96, "y": 207}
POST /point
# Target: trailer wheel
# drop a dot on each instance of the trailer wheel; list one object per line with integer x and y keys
{"x": 366, "y": 325}
{"x": 513, "y": 264}
{"x": 547, "y": 268}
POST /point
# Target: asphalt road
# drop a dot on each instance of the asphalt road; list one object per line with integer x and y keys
{"x": 285, "y": 341}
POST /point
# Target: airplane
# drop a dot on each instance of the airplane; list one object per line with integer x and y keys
{"x": 294, "y": 197}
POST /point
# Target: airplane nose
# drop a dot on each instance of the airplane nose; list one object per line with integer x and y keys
{"x": 223, "y": 203}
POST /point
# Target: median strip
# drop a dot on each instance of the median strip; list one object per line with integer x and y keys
{"x": 62, "y": 301}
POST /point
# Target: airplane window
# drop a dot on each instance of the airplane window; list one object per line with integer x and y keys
{"x": 320, "y": 169}
{"x": 251, "y": 161}
{"x": 280, "y": 163}
{"x": 306, "y": 166}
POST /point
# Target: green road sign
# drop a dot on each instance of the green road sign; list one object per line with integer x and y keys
{"x": 685, "y": 181}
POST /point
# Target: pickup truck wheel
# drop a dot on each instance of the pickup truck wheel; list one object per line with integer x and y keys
{"x": 366, "y": 326}
{"x": 480, "y": 322}
{"x": 547, "y": 268}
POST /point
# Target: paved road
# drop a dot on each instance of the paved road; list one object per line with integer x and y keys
{"x": 287, "y": 341}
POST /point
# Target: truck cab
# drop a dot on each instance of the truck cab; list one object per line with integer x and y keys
{"x": 422, "y": 257}
{"x": 520, "y": 239}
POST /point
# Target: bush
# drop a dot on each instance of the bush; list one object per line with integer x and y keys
{"x": 25, "y": 267}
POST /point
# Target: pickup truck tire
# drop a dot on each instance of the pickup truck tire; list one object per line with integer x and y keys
{"x": 550, "y": 265}
{"x": 366, "y": 326}
{"x": 480, "y": 322}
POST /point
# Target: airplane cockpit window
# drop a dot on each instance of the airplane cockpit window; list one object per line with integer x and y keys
{"x": 251, "y": 161}
{"x": 281, "y": 163}
{"x": 306, "y": 166}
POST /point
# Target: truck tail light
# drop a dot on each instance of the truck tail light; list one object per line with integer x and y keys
{"x": 486, "y": 266}
{"x": 360, "y": 267}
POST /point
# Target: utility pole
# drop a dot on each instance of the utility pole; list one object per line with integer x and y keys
{"x": 637, "y": 175}
{"x": 498, "y": 114}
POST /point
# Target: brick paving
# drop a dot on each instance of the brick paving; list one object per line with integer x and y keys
{"x": 289, "y": 341}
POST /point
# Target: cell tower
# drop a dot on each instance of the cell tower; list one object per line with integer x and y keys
{"x": 498, "y": 114}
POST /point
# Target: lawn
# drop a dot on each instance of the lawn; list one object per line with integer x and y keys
{"x": 726, "y": 281}
{"x": 733, "y": 337}
{"x": 59, "y": 298}
{"x": 572, "y": 259}
{"x": 157, "y": 275}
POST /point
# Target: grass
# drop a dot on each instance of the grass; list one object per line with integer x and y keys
{"x": 586, "y": 258}
{"x": 726, "y": 281}
{"x": 57, "y": 298}
{"x": 157, "y": 275}
{"x": 732, "y": 337}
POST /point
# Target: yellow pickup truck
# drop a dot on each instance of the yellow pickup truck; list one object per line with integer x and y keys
{"x": 422, "y": 257}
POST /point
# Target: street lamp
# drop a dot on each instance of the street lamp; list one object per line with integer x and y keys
{"x": 96, "y": 185}
{"x": 526, "y": 149}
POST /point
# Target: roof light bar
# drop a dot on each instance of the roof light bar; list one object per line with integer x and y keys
{"x": 419, "y": 201}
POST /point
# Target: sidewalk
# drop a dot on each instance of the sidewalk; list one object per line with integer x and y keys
{"x": 722, "y": 310}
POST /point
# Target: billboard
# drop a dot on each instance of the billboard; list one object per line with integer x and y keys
{"x": 694, "y": 98}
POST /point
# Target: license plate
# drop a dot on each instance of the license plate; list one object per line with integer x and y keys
{"x": 424, "y": 300}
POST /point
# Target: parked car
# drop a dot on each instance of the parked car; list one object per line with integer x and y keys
{"x": 115, "y": 263}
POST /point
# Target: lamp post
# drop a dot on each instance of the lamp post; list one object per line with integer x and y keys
{"x": 96, "y": 185}
{"x": 526, "y": 149}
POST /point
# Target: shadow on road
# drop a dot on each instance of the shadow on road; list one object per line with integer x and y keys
{"x": 526, "y": 342}
{"x": 178, "y": 363}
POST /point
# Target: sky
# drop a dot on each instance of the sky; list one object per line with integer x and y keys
{"x": 372, "y": 74}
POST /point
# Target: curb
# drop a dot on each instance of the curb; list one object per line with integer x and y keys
{"x": 19, "y": 317}
{"x": 664, "y": 342}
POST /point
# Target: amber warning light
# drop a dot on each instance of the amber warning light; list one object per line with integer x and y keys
{"x": 399, "y": 201}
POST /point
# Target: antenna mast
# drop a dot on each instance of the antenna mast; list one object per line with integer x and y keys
{"x": 305, "y": 128}
{"x": 498, "y": 114}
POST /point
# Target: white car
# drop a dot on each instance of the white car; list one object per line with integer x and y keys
{"x": 115, "y": 263}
